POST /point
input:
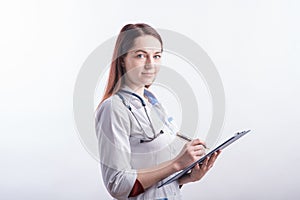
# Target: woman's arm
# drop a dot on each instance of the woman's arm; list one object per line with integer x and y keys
{"x": 191, "y": 152}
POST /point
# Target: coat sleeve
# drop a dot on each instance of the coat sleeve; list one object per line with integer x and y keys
{"x": 113, "y": 131}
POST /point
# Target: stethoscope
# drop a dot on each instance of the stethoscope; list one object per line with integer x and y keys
{"x": 147, "y": 138}
{"x": 153, "y": 101}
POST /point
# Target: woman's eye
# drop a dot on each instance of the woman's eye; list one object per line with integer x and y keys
{"x": 157, "y": 56}
{"x": 141, "y": 56}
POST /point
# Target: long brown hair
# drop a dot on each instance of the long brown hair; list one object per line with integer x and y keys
{"x": 124, "y": 43}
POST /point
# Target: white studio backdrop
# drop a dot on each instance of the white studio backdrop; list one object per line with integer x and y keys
{"x": 254, "y": 45}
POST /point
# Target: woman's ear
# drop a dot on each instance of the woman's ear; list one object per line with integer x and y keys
{"x": 122, "y": 62}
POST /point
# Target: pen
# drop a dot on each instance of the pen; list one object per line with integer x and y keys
{"x": 188, "y": 139}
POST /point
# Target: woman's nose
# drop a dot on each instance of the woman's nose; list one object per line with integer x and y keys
{"x": 150, "y": 62}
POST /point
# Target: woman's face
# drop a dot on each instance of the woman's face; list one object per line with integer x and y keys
{"x": 142, "y": 61}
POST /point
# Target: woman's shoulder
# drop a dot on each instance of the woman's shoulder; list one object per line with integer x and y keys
{"x": 111, "y": 104}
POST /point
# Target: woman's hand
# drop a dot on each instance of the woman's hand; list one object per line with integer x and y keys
{"x": 199, "y": 170}
{"x": 191, "y": 152}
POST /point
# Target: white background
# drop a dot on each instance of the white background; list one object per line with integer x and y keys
{"x": 254, "y": 45}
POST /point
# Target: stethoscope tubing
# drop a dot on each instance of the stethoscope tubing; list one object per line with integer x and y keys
{"x": 151, "y": 125}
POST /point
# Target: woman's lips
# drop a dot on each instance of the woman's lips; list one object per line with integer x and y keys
{"x": 148, "y": 74}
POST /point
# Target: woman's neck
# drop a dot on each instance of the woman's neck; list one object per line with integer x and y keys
{"x": 139, "y": 90}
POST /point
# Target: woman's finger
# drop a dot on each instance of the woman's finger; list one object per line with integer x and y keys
{"x": 198, "y": 142}
{"x": 198, "y": 147}
{"x": 204, "y": 164}
{"x": 197, "y": 167}
{"x": 199, "y": 153}
{"x": 213, "y": 159}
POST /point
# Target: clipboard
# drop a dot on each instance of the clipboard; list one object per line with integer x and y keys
{"x": 220, "y": 147}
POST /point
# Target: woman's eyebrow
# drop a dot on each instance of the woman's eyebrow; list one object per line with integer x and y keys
{"x": 140, "y": 50}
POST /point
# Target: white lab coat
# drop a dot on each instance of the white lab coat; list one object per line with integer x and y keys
{"x": 122, "y": 154}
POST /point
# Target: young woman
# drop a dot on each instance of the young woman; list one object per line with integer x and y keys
{"x": 137, "y": 148}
